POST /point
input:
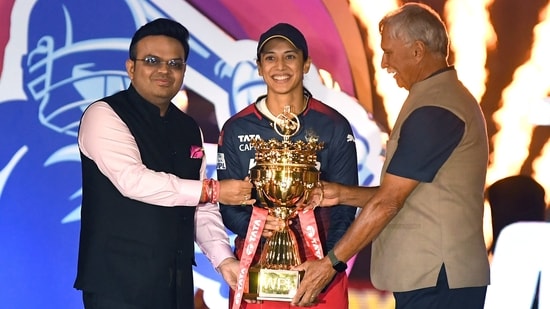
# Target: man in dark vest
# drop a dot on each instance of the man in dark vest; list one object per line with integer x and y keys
{"x": 145, "y": 196}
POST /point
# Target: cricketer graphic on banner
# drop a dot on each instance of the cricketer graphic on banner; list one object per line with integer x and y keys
{"x": 59, "y": 56}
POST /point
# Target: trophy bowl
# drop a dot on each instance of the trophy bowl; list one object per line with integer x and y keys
{"x": 283, "y": 185}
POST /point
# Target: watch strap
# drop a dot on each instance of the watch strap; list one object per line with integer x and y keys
{"x": 338, "y": 265}
{"x": 333, "y": 259}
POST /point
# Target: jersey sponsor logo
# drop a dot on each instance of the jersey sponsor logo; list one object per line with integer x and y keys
{"x": 350, "y": 138}
{"x": 220, "y": 165}
{"x": 246, "y": 138}
{"x": 244, "y": 141}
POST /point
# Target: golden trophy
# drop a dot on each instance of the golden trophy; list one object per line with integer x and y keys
{"x": 285, "y": 173}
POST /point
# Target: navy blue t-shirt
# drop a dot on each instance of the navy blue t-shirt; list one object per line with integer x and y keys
{"x": 428, "y": 137}
{"x": 337, "y": 163}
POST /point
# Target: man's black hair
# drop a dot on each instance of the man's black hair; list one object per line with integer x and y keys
{"x": 161, "y": 26}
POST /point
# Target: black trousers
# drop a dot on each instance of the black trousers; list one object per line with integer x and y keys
{"x": 178, "y": 293}
{"x": 97, "y": 301}
{"x": 441, "y": 297}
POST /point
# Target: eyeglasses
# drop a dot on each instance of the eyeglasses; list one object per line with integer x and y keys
{"x": 154, "y": 62}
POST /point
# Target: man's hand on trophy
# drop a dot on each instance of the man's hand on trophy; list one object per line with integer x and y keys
{"x": 236, "y": 192}
{"x": 324, "y": 195}
{"x": 331, "y": 194}
{"x": 318, "y": 274}
{"x": 312, "y": 199}
{"x": 229, "y": 269}
{"x": 272, "y": 225}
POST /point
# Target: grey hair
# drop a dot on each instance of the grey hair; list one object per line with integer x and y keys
{"x": 417, "y": 22}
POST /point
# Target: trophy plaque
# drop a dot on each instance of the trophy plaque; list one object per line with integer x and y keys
{"x": 285, "y": 173}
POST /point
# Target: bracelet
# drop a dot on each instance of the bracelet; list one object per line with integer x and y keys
{"x": 215, "y": 186}
{"x": 210, "y": 191}
{"x": 204, "y": 192}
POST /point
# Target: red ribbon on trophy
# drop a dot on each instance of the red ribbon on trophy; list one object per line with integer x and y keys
{"x": 310, "y": 232}
{"x": 252, "y": 239}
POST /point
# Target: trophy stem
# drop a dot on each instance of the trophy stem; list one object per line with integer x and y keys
{"x": 280, "y": 250}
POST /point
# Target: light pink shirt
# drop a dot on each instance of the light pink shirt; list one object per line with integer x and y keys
{"x": 105, "y": 139}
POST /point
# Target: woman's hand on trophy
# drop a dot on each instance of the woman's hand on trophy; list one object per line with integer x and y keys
{"x": 272, "y": 225}
{"x": 236, "y": 192}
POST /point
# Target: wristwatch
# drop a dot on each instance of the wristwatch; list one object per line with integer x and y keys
{"x": 338, "y": 265}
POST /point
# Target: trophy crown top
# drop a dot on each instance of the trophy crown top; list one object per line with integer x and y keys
{"x": 286, "y": 152}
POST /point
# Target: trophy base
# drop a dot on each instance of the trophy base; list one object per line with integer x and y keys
{"x": 272, "y": 284}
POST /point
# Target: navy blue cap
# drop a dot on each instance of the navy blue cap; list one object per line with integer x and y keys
{"x": 287, "y": 32}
